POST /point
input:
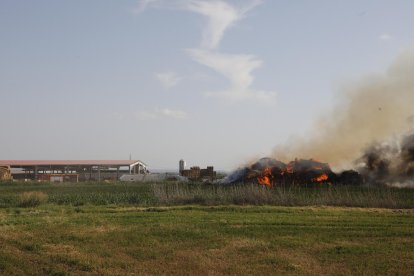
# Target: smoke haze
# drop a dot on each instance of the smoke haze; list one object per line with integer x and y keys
{"x": 376, "y": 109}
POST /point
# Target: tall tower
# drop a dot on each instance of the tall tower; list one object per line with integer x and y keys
{"x": 181, "y": 166}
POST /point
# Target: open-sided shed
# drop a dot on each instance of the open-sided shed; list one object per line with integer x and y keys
{"x": 73, "y": 170}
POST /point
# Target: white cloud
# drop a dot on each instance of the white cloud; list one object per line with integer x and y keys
{"x": 220, "y": 15}
{"x": 170, "y": 113}
{"x": 158, "y": 114}
{"x": 386, "y": 37}
{"x": 168, "y": 79}
{"x": 142, "y": 5}
{"x": 238, "y": 70}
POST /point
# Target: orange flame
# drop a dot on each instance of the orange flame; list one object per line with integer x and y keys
{"x": 321, "y": 178}
{"x": 265, "y": 178}
{"x": 288, "y": 169}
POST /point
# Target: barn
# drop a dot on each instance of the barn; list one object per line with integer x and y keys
{"x": 73, "y": 170}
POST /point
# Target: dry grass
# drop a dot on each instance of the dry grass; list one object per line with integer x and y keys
{"x": 177, "y": 194}
{"x": 214, "y": 240}
{"x": 32, "y": 199}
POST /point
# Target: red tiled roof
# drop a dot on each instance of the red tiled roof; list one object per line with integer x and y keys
{"x": 68, "y": 162}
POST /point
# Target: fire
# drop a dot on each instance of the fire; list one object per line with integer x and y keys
{"x": 321, "y": 178}
{"x": 265, "y": 178}
{"x": 290, "y": 168}
{"x": 271, "y": 172}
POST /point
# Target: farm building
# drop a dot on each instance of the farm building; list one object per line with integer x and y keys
{"x": 72, "y": 170}
{"x": 195, "y": 173}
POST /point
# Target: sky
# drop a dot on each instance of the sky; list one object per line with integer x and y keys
{"x": 212, "y": 82}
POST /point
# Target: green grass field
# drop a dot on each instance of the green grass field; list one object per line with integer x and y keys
{"x": 173, "y": 194}
{"x": 121, "y": 229}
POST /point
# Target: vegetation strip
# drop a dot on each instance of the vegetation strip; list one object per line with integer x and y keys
{"x": 108, "y": 240}
{"x": 167, "y": 194}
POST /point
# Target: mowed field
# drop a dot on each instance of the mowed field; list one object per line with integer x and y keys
{"x": 107, "y": 238}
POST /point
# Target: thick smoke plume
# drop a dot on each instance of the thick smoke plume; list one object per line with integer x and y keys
{"x": 390, "y": 163}
{"x": 373, "y": 110}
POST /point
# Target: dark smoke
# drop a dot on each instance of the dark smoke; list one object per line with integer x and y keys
{"x": 389, "y": 164}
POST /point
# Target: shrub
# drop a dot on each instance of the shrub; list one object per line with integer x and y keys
{"x": 32, "y": 199}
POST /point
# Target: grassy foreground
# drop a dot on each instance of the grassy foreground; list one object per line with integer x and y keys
{"x": 201, "y": 240}
{"x": 180, "y": 229}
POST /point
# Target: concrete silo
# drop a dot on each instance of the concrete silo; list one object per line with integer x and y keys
{"x": 181, "y": 166}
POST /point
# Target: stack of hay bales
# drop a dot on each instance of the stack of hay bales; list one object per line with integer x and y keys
{"x": 5, "y": 173}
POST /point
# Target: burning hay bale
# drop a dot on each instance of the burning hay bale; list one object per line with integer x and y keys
{"x": 271, "y": 172}
{"x": 382, "y": 164}
{"x": 349, "y": 177}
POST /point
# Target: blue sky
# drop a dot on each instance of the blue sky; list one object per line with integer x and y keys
{"x": 214, "y": 82}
